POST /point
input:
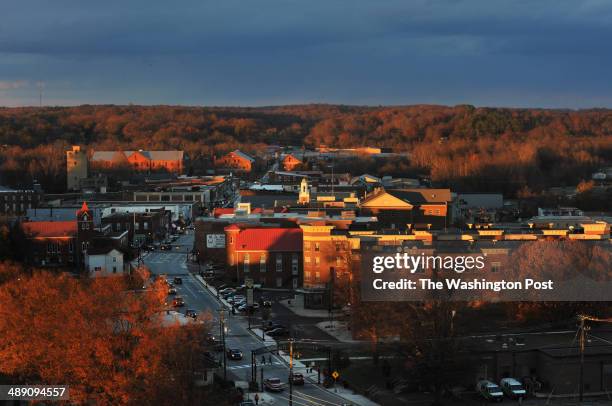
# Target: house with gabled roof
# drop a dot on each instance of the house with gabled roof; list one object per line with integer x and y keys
{"x": 409, "y": 208}
{"x": 289, "y": 162}
{"x": 236, "y": 160}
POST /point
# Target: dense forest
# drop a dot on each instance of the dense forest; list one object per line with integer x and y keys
{"x": 471, "y": 148}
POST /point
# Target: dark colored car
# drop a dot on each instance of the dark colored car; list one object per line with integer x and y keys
{"x": 234, "y": 354}
{"x": 297, "y": 379}
{"x": 178, "y": 302}
{"x": 278, "y": 332}
{"x": 272, "y": 325}
{"x": 172, "y": 290}
{"x": 191, "y": 313}
{"x": 177, "y": 280}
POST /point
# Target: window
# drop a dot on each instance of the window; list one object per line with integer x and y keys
{"x": 262, "y": 263}
{"x": 279, "y": 282}
{"x": 146, "y": 225}
{"x": 306, "y": 275}
{"x": 279, "y": 262}
{"x": 246, "y": 263}
{"x": 317, "y": 247}
{"x": 496, "y": 266}
{"x": 307, "y": 260}
{"x": 307, "y": 245}
{"x": 294, "y": 264}
{"x": 295, "y": 283}
{"x": 317, "y": 260}
{"x": 114, "y": 259}
{"x": 70, "y": 246}
{"x": 137, "y": 225}
{"x": 318, "y": 276}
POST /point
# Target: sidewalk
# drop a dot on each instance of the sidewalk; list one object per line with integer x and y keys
{"x": 297, "y": 307}
{"x": 338, "y": 329}
{"x": 312, "y": 375}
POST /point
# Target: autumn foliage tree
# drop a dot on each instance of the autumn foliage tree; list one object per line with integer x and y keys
{"x": 109, "y": 344}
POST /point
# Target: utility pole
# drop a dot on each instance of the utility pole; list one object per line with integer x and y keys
{"x": 291, "y": 372}
{"x": 222, "y": 326}
{"x": 582, "y": 339}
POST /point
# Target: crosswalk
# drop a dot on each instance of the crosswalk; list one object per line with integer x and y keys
{"x": 274, "y": 363}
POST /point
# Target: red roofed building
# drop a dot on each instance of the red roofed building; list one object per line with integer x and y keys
{"x": 271, "y": 256}
{"x": 66, "y": 244}
{"x": 59, "y": 243}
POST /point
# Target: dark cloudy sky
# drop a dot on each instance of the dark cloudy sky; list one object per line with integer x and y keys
{"x": 546, "y": 53}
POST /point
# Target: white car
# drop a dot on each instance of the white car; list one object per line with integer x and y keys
{"x": 512, "y": 388}
{"x": 490, "y": 390}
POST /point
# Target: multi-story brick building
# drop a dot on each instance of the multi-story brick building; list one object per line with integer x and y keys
{"x": 327, "y": 263}
{"x": 271, "y": 256}
{"x": 142, "y": 227}
{"x": 142, "y": 161}
{"x": 64, "y": 243}
{"x": 17, "y": 202}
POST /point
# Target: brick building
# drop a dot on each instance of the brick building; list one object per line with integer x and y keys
{"x": 141, "y": 161}
{"x": 17, "y": 202}
{"x": 237, "y": 161}
{"x": 271, "y": 256}
{"x": 409, "y": 208}
{"x": 327, "y": 264}
{"x": 59, "y": 243}
{"x": 289, "y": 162}
{"x": 142, "y": 227}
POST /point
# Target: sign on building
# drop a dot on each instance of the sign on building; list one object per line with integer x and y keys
{"x": 215, "y": 241}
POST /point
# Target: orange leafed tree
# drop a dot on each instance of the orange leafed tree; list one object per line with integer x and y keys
{"x": 106, "y": 342}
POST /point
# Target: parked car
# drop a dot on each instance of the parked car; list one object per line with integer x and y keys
{"x": 226, "y": 290}
{"x": 239, "y": 297}
{"x": 234, "y": 354}
{"x": 172, "y": 290}
{"x": 278, "y": 332}
{"x": 273, "y": 384}
{"x": 512, "y": 388}
{"x": 177, "y": 280}
{"x": 247, "y": 403}
{"x": 191, "y": 313}
{"x": 178, "y": 302}
{"x": 272, "y": 325}
{"x": 490, "y": 391}
{"x": 297, "y": 379}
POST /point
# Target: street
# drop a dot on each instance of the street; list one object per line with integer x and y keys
{"x": 197, "y": 297}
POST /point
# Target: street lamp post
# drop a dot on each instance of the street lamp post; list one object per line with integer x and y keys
{"x": 291, "y": 372}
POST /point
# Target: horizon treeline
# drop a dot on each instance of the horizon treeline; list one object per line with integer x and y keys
{"x": 469, "y": 148}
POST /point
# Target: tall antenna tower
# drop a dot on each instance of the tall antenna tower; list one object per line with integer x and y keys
{"x": 40, "y": 86}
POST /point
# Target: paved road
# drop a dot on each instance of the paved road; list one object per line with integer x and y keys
{"x": 197, "y": 297}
